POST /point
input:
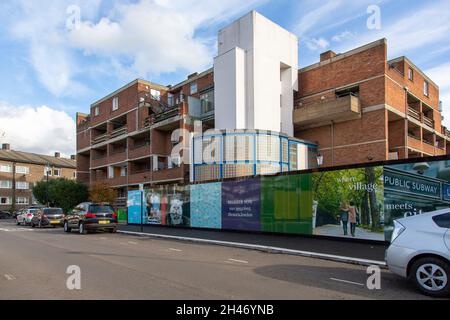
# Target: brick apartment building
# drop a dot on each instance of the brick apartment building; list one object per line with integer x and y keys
{"x": 126, "y": 140}
{"x": 19, "y": 171}
{"x": 357, "y": 106}
{"x": 360, "y": 107}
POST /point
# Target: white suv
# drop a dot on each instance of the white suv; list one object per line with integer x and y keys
{"x": 420, "y": 251}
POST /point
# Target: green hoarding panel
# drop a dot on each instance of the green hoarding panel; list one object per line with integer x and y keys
{"x": 286, "y": 204}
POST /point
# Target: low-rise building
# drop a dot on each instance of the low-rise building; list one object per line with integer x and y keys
{"x": 19, "y": 171}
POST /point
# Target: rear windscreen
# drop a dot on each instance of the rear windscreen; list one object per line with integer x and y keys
{"x": 53, "y": 211}
{"x": 101, "y": 209}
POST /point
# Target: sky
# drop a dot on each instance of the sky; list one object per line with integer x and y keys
{"x": 59, "y": 56}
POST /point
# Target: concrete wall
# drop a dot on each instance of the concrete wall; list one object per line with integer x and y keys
{"x": 269, "y": 55}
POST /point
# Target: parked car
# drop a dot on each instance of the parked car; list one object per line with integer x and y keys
{"x": 420, "y": 251}
{"x": 5, "y": 215}
{"x": 48, "y": 217}
{"x": 89, "y": 216}
{"x": 24, "y": 217}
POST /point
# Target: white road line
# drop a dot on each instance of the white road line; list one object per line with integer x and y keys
{"x": 336, "y": 258}
{"x": 132, "y": 242}
{"x": 9, "y": 277}
{"x": 346, "y": 281}
{"x": 177, "y": 250}
{"x": 240, "y": 261}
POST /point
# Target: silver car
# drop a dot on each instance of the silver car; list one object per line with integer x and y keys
{"x": 24, "y": 217}
{"x": 420, "y": 251}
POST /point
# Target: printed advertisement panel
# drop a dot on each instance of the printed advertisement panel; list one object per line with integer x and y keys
{"x": 411, "y": 189}
{"x": 349, "y": 203}
{"x": 134, "y": 207}
{"x": 286, "y": 204}
{"x": 206, "y": 205}
{"x": 241, "y": 204}
{"x": 168, "y": 205}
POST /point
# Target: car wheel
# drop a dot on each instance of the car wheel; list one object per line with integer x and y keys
{"x": 32, "y": 224}
{"x": 17, "y": 222}
{"x": 66, "y": 227}
{"x": 113, "y": 230}
{"x": 431, "y": 276}
{"x": 81, "y": 229}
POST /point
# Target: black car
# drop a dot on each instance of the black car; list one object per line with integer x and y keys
{"x": 48, "y": 217}
{"x": 90, "y": 216}
{"x": 5, "y": 215}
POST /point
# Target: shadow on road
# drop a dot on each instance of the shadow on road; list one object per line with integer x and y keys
{"x": 392, "y": 287}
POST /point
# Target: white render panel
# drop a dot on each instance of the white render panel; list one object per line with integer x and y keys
{"x": 229, "y": 71}
{"x": 267, "y": 77}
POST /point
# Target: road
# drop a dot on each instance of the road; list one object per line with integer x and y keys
{"x": 33, "y": 264}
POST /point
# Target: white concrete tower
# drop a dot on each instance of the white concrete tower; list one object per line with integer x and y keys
{"x": 255, "y": 74}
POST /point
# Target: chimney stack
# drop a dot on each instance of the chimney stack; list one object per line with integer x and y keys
{"x": 57, "y": 155}
{"x": 6, "y": 146}
{"x": 327, "y": 55}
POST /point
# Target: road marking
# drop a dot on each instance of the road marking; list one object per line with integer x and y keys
{"x": 309, "y": 254}
{"x": 9, "y": 277}
{"x": 177, "y": 250}
{"x": 240, "y": 261}
{"x": 349, "y": 282}
{"x": 132, "y": 242}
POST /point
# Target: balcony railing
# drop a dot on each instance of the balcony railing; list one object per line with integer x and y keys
{"x": 118, "y": 132}
{"x": 100, "y": 138}
{"x": 413, "y": 113}
{"x": 429, "y": 122}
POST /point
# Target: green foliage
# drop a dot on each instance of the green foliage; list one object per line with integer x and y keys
{"x": 102, "y": 193}
{"x": 62, "y": 193}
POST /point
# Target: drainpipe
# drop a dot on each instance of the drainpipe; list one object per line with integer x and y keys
{"x": 332, "y": 143}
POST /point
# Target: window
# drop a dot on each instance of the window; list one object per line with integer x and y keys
{"x": 47, "y": 171}
{"x": 425, "y": 88}
{"x": 5, "y": 168}
{"x": 96, "y": 111}
{"x": 115, "y": 104}
{"x": 443, "y": 220}
{"x": 123, "y": 171}
{"x": 193, "y": 87}
{"x": 22, "y": 170}
{"x": 22, "y": 185}
{"x": 57, "y": 172}
{"x": 155, "y": 94}
{"x": 411, "y": 74}
{"x": 5, "y": 184}
{"x": 5, "y": 200}
{"x": 74, "y": 175}
{"x": 207, "y": 101}
{"x": 170, "y": 101}
{"x": 22, "y": 200}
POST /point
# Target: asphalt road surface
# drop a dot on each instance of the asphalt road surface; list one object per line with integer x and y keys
{"x": 33, "y": 264}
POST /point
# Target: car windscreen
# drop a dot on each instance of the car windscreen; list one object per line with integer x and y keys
{"x": 32, "y": 210}
{"x": 100, "y": 209}
{"x": 53, "y": 211}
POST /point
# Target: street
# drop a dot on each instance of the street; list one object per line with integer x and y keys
{"x": 33, "y": 265}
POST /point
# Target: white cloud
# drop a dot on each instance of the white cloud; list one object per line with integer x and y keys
{"x": 140, "y": 38}
{"x": 317, "y": 44}
{"x": 344, "y": 36}
{"x": 440, "y": 75}
{"x": 41, "y": 130}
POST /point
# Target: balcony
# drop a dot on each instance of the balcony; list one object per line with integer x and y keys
{"x": 100, "y": 138}
{"x": 117, "y": 156}
{"x": 168, "y": 174}
{"x": 340, "y": 109}
{"x": 414, "y": 114}
{"x": 428, "y": 122}
{"x": 118, "y": 132}
{"x": 99, "y": 162}
{"x": 139, "y": 151}
{"x": 140, "y": 177}
{"x": 414, "y": 142}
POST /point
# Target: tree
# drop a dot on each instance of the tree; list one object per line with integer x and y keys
{"x": 61, "y": 193}
{"x": 101, "y": 192}
{"x": 374, "y": 211}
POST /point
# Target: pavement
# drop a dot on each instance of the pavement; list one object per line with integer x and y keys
{"x": 333, "y": 230}
{"x": 346, "y": 248}
{"x": 34, "y": 262}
